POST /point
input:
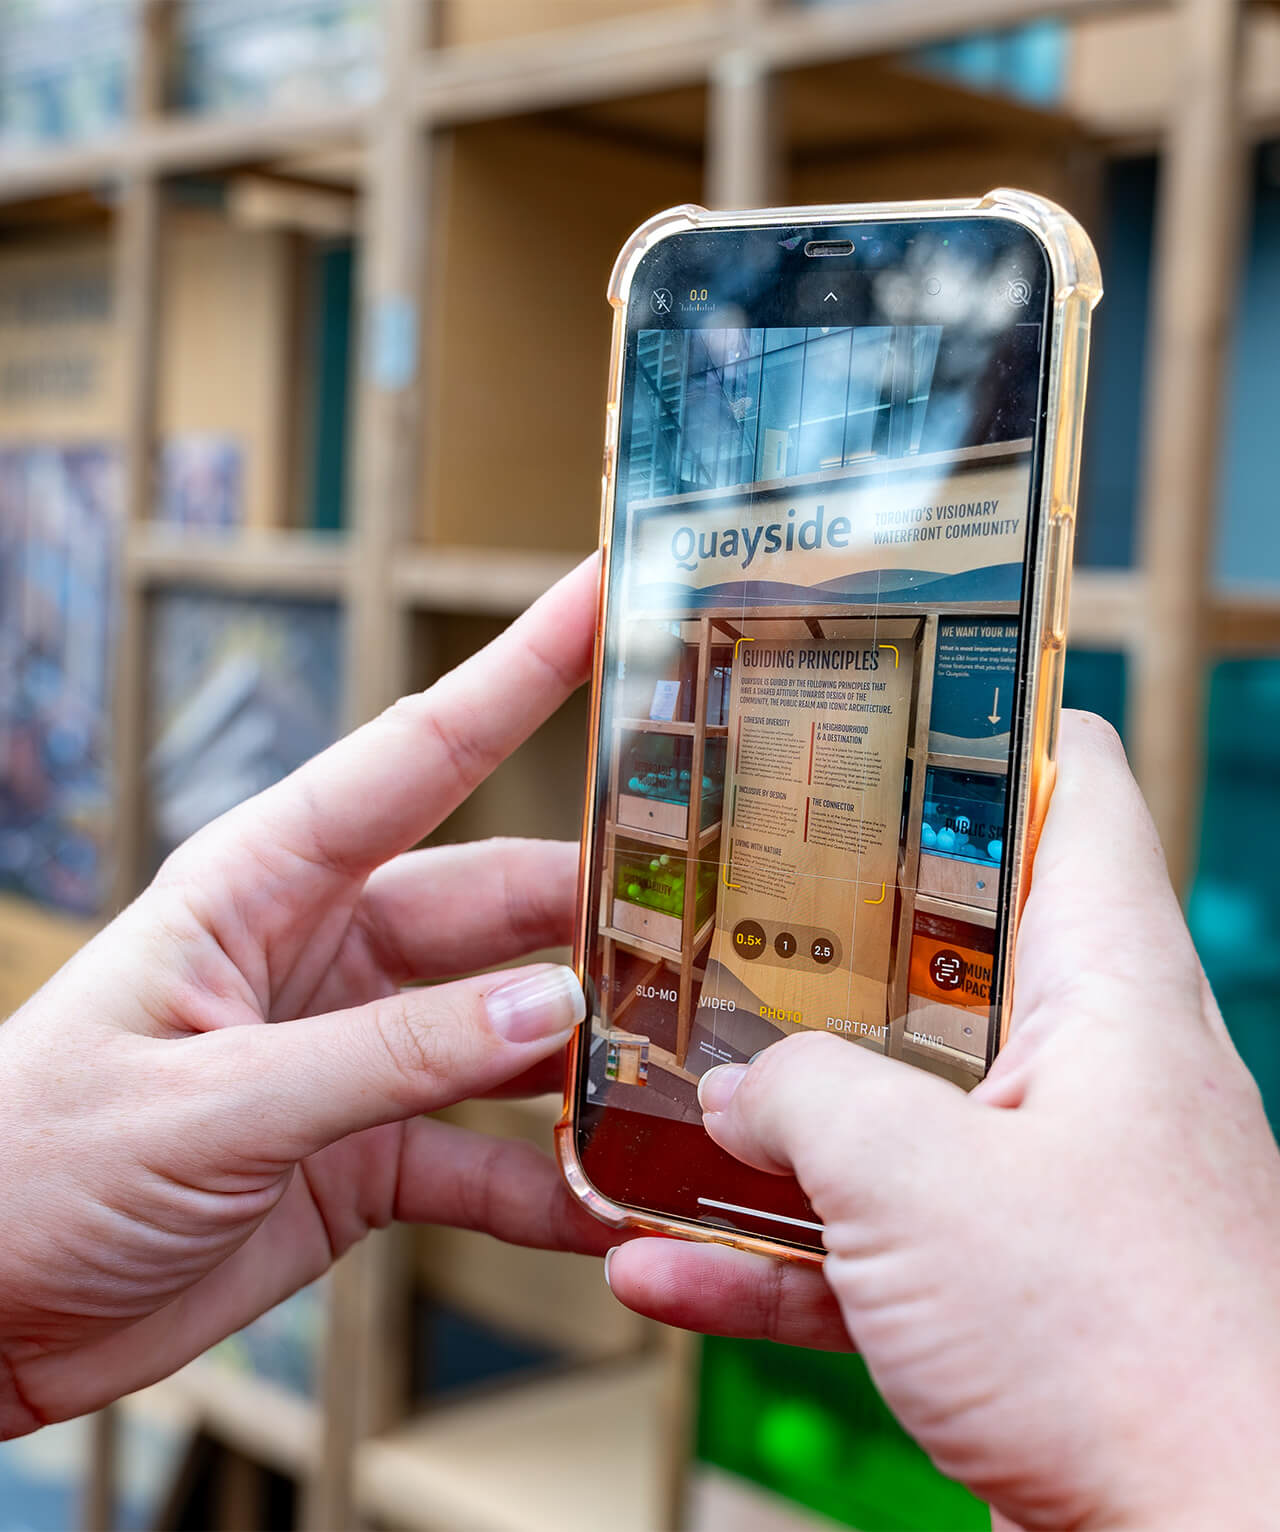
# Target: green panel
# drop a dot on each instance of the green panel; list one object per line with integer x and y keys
{"x": 810, "y": 1426}
{"x": 1235, "y": 901}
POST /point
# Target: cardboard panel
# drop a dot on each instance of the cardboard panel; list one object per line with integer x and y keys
{"x": 533, "y": 216}
{"x": 225, "y": 336}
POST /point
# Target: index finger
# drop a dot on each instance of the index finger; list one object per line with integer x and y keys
{"x": 385, "y": 786}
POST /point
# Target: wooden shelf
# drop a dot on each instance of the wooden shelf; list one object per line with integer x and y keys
{"x": 1109, "y": 606}
{"x": 1245, "y": 622}
{"x": 34, "y": 943}
{"x": 670, "y": 726}
{"x": 1106, "y": 608}
{"x": 927, "y": 1051}
{"x": 651, "y": 51}
{"x": 678, "y": 843}
{"x": 975, "y": 915}
{"x": 276, "y": 562}
{"x": 173, "y": 144}
{"x": 657, "y": 726}
{"x": 652, "y": 949}
{"x": 479, "y": 581}
{"x": 991, "y": 765}
{"x": 263, "y": 1420}
{"x": 556, "y": 1456}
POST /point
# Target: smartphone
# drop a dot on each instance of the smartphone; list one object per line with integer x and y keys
{"x": 840, "y": 470}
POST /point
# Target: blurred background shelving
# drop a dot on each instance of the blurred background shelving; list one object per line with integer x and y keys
{"x": 302, "y": 350}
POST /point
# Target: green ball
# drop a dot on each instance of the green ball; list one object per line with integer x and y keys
{"x": 798, "y": 1440}
{"x": 664, "y": 860}
{"x": 633, "y": 890}
{"x": 654, "y": 865}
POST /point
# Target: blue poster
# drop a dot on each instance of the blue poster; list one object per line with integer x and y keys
{"x": 973, "y": 686}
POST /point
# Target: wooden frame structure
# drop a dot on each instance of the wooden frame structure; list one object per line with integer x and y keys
{"x": 697, "y": 839}
{"x": 1164, "y": 615}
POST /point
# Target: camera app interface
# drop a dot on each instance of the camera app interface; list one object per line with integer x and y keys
{"x": 825, "y": 478}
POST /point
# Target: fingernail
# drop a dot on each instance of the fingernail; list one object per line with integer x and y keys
{"x": 537, "y": 1006}
{"x": 608, "y": 1257}
{"x": 716, "y": 1087}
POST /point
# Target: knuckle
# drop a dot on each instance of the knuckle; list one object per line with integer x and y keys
{"x": 412, "y": 1042}
{"x": 533, "y": 909}
{"x": 422, "y": 713}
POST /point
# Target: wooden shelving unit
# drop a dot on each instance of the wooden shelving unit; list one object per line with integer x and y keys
{"x": 682, "y": 954}
{"x": 489, "y": 184}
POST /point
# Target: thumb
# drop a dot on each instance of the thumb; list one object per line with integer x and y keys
{"x": 867, "y": 1137}
{"x": 1102, "y": 928}
{"x": 286, "y": 1090}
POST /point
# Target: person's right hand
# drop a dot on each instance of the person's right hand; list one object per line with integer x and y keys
{"x": 1067, "y": 1283}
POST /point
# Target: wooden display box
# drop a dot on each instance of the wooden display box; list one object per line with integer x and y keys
{"x": 946, "y": 877}
{"x": 950, "y": 1025}
{"x": 649, "y": 898}
{"x": 639, "y": 813}
{"x": 226, "y": 346}
{"x": 654, "y": 926}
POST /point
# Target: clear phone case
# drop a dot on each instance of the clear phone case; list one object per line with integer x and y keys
{"x": 1077, "y": 288}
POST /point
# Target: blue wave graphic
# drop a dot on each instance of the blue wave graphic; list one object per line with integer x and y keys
{"x": 994, "y": 582}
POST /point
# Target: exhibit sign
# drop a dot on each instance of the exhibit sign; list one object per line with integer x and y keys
{"x": 949, "y": 528}
{"x": 973, "y": 686}
{"x": 818, "y": 733}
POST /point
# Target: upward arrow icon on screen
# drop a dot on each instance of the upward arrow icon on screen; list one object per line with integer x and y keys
{"x": 831, "y": 298}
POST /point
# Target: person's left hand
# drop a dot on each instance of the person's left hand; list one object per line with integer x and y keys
{"x": 171, "y": 1167}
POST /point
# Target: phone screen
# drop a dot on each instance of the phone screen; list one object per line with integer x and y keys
{"x": 826, "y": 486}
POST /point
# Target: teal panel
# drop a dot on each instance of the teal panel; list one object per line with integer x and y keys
{"x": 1248, "y": 534}
{"x": 1095, "y": 682}
{"x": 331, "y": 396}
{"x": 1028, "y": 62}
{"x": 810, "y": 1426}
{"x": 1235, "y": 902}
{"x": 1110, "y": 467}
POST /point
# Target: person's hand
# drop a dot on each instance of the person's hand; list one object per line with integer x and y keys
{"x": 1067, "y": 1283}
{"x": 171, "y": 1167}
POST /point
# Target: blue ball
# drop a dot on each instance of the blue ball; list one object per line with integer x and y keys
{"x": 995, "y": 849}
